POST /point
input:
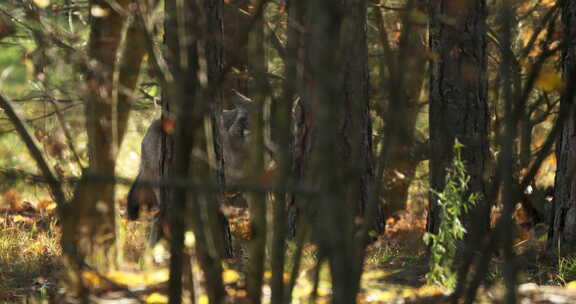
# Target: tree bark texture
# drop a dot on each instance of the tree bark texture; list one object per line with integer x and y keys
{"x": 257, "y": 202}
{"x": 402, "y": 74}
{"x": 458, "y": 100}
{"x": 181, "y": 102}
{"x": 563, "y": 222}
{"x": 351, "y": 114}
{"x": 192, "y": 30}
{"x": 214, "y": 52}
{"x": 107, "y": 110}
{"x": 340, "y": 161}
{"x": 295, "y": 85}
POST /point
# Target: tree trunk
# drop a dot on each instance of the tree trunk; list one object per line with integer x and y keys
{"x": 563, "y": 219}
{"x": 405, "y": 65}
{"x": 107, "y": 109}
{"x": 214, "y": 52}
{"x": 259, "y": 91}
{"x": 281, "y": 127}
{"x": 340, "y": 163}
{"x": 295, "y": 85}
{"x": 188, "y": 101}
{"x": 458, "y": 101}
{"x": 181, "y": 105}
{"x": 356, "y": 129}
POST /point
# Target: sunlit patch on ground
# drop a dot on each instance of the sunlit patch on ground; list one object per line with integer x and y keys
{"x": 29, "y": 249}
{"x": 394, "y": 272}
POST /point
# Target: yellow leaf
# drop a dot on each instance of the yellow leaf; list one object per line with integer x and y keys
{"x": 324, "y": 288}
{"x": 386, "y": 296}
{"x": 91, "y": 279}
{"x": 571, "y": 285}
{"x": 373, "y": 275}
{"x": 42, "y": 3}
{"x": 323, "y": 292}
{"x": 157, "y": 298}
{"x": 203, "y": 299}
{"x": 303, "y": 290}
{"x": 407, "y": 293}
{"x": 428, "y": 290}
{"x": 139, "y": 279}
{"x": 548, "y": 3}
{"x": 157, "y": 276}
{"x": 126, "y": 278}
{"x": 230, "y": 276}
{"x": 549, "y": 80}
{"x": 19, "y": 218}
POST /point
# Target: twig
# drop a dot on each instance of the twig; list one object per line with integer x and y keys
{"x": 170, "y": 182}
{"x": 34, "y": 150}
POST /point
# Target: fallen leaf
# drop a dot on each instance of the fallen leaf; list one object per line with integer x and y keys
{"x": 156, "y": 298}
{"x": 230, "y": 276}
{"x": 571, "y": 285}
{"x": 42, "y": 3}
{"x": 22, "y": 219}
{"x": 203, "y": 299}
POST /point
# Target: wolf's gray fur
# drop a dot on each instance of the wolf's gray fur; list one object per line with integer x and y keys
{"x": 234, "y": 129}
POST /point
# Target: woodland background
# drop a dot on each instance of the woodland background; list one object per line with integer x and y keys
{"x": 400, "y": 151}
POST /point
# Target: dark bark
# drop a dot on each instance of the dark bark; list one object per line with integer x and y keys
{"x": 180, "y": 96}
{"x": 214, "y": 52}
{"x": 293, "y": 84}
{"x": 257, "y": 202}
{"x": 458, "y": 101}
{"x": 281, "y": 126}
{"x": 340, "y": 161}
{"x": 356, "y": 125}
{"x": 402, "y": 72}
{"x": 563, "y": 222}
{"x": 188, "y": 101}
{"x": 506, "y": 158}
{"x": 355, "y": 129}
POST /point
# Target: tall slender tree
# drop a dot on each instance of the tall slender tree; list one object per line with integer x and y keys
{"x": 402, "y": 73}
{"x": 192, "y": 32}
{"x": 340, "y": 160}
{"x": 107, "y": 109}
{"x": 458, "y": 100}
{"x": 563, "y": 218}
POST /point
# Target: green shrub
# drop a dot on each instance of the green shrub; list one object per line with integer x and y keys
{"x": 453, "y": 201}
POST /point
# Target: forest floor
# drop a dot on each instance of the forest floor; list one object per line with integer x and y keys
{"x": 396, "y": 265}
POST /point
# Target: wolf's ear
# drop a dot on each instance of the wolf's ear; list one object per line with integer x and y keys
{"x": 242, "y": 102}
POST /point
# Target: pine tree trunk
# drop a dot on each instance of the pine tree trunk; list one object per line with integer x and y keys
{"x": 563, "y": 218}
{"x": 458, "y": 100}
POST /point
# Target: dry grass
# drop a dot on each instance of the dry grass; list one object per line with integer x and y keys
{"x": 29, "y": 254}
